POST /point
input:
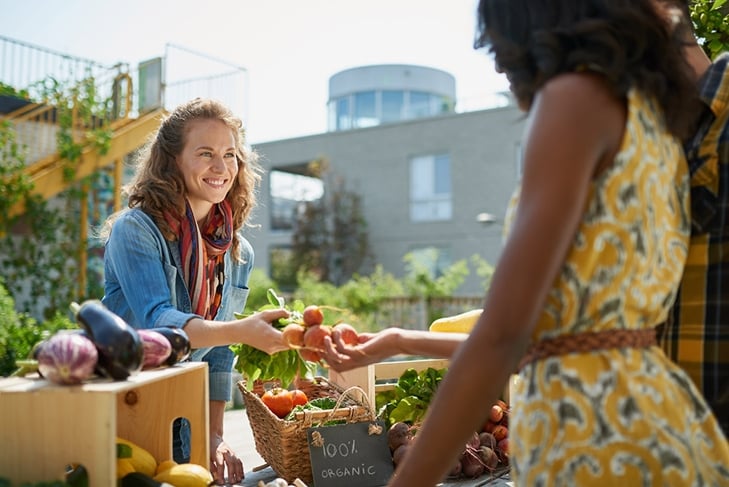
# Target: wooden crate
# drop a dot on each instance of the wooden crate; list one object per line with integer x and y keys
{"x": 383, "y": 376}
{"x": 44, "y": 427}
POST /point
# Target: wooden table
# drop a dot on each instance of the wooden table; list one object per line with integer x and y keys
{"x": 500, "y": 478}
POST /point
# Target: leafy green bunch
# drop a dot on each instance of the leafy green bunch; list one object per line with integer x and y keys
{"x": 409, "y": 400}
{"x": 254, "y": 364}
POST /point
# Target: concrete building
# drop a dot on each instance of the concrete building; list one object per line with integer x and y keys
{"x": 429, "y": 178}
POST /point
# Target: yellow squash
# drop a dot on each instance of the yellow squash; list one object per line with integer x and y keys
{"x": 460, "y": 323}
{"x": 141, "y": 460}
{"x": 123, "y": 467}
{"x": 186, "y": 475}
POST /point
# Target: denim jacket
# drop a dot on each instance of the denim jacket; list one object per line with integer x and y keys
{"x": 143, "y": 284}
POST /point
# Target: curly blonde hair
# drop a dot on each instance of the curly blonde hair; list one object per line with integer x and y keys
{"x": 158, "y": 185}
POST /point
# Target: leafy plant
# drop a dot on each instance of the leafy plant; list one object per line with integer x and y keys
{"x": 42, "y": 259}
{"x": 410, "y": 399}
{"x": 19, "y": 332}
{"x": 254, "y": 364}
{"x": 330, "y": 236}
{"x": 711, "y": 24}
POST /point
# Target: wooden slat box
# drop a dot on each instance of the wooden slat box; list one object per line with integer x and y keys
{"x": 44, "y": 427}
{"x": 383, "y": 376}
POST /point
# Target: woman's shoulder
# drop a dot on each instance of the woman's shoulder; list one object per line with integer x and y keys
{"x": 587, "y": 97}
{"x": 134, "y": 215}
{"x": 133, "y": 219}
{"x": 579, "y": 88}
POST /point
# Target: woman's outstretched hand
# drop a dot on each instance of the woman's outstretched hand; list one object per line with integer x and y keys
{"x": 371, "y": 348}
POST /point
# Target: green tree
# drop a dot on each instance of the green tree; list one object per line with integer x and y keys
{"x": 711, "y": 24}
{"x": 330, "y": 236}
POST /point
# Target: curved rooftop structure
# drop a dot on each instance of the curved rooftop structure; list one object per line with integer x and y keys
{"x": 372, "y": 95}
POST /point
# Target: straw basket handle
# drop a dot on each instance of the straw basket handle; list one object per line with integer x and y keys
{"x": 349, "y": 413}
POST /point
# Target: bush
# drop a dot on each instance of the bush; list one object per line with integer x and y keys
{"x": 19, "y": 332}
{"x": 258, "y": 284}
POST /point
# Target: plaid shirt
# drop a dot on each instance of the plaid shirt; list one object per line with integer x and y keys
{"x": 697, "y": 333}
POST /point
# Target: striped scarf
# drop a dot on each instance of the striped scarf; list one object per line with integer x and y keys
{"x": 203, "y": 265}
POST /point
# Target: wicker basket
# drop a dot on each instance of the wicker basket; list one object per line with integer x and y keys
{"x": 283, "y": 444}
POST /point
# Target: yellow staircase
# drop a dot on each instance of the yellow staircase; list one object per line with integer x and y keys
{"x": 35, "y": 128}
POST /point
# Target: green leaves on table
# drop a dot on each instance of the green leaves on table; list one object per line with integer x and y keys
{"x": 410, "y": 398}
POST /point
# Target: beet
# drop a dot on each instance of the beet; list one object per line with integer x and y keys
{"x": 156, "y": 348}
{"x": 67, "y": 358}
{"x": 399, "y": 454}
{"x": 472, "y": 465}
{"x": 488, "y": 457}
{"x": 398, "y": 435}
{"x": 487, "y": 439}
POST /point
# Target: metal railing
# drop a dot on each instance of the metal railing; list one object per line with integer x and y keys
{"x": 31, "y": 79}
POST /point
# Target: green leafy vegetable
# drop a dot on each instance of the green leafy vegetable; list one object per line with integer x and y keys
{"x": 318, "y": 404}
{"x": 411, "y": 397}
{"x": 254, "y": 364}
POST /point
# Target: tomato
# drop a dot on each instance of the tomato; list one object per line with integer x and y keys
{"x": 299, "y": 397}
{"x": 279, "y": 401}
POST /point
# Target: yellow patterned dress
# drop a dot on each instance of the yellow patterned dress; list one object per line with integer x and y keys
{"x": 624, "y": 417}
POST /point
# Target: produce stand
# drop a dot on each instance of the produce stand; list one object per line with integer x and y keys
{"x": 44, "y": 427}
{"x": 381, "y": 376}
{"x": 499, "y": 478}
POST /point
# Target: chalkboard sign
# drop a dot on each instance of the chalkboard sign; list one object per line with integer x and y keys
{"x": 353, "y": 454}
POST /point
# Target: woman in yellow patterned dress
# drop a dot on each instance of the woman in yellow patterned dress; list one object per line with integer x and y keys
{"x": 592, "y": 263}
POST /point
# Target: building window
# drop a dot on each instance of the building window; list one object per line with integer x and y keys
{"x": 430, "y": 188}
{"x": 393, "y": 106}
{"x": 365, "y": 109}
{"x": 344, "y": 120}
{"x": 288, "y": 191}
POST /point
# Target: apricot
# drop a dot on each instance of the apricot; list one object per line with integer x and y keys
{"x": 496, "y": 414}
{"x": 313, "y": 315}
{"x": 310, "y": 355}
{"x": 293, "y": 335}
{"x": 347, "y": 332}
{"x": 500, "y": 432}
{"x": 314, "y": 337}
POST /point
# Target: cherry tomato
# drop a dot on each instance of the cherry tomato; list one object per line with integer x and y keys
{"x": 299, "y": 397}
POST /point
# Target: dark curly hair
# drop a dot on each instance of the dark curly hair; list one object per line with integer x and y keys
{"x": 533, "y": 41}
{"x": 158, "y": 185}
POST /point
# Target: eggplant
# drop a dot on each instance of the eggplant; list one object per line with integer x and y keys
{"x": 121, "y": 351}
{"x": 179, "y": 341}
{"x": 138, "y": 479}
{"x": 157, "y": 348}
{"x": 67, "y": 358}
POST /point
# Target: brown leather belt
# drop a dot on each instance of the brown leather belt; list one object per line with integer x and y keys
{"x": 588, "y": 342}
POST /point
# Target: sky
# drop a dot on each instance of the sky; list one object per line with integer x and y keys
{"x": 288, "y": 48}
